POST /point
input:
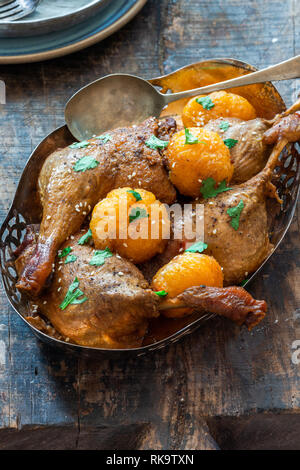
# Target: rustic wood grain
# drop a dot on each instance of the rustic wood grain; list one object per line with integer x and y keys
{"x": 222, "y": 387}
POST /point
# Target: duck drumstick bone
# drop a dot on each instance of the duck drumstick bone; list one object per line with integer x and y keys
{"x": 232, "y": 302}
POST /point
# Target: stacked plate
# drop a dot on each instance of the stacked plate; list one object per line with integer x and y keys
{"x": 60, "y": 27}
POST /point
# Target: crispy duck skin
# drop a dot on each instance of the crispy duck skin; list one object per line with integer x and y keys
{"x": 233, "y": 302}
{"x": 119, "y": 300}
{"x": 67, "y": 196}
{"x": 287, "y": 128}
{"x": 250, "y": 153}
{"x": 242, "y": 251}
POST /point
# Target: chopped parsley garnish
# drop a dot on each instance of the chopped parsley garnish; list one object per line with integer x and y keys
{"x": 189, "y": 137}
{"x": 230, "y": 143}
{"x": 161, "y": 293}
{"x": 208, "y": 188}
{"x": 137, "y": 213}
{"x": 85, "y": 163}
{"x": 72, "y": 295}
{"x": 224, "y": 125}
{"x": 65, "y": 252}
{"x": 197, "y": 247}
{"x": 235, "y": 213}
{"x": 206, "y": 102}
{"x": 100, "y": 256}
{"x": 79, "y": 145}
{"x": 156, "y": 143}
{"x": 105, "y": 138}
{"x": 85, "y": 238}
{"x": 70, "y": 259}
{"x": 137, "y": 195}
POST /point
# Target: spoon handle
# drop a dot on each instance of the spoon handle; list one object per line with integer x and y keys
{"x": 284, "y": 71}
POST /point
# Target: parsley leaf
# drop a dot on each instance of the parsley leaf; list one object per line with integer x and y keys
{"x": 230, "y": 143}
{"x": 99, "y": 257}
{"x": 70, "y": 259}
{"x": 156, "y": 143}
{"x": 85, "y": 163}
{"x": 189, "y": 137}
{"x": 224, "y": 125}
{"x": 208, "y": 188}
{"x": 79, "y": 145}
{"x": 235, "y": 213}
{"x": 197, "y": 247}
{"x": 72, "y": 295}
{"x": 161, "y": 293}
{"x": 137, "y": 213}
{"x": 85, "y": 238}
{"x": 206, "y": 102}
{"x": 137, "y": 195}
{"x": 65, "y": 252}
{"x": 105, "y": 138}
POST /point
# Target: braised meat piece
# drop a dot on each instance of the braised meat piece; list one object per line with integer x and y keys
{"x": 69, "y": 187}
{"x": 118, "y": 305}
{"x": 287, "y": 128}
{"x": 250, "y": 153}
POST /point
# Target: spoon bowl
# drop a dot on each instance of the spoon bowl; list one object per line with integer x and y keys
{"x": 112, "y": 101}
{"x": 119, "y": 99}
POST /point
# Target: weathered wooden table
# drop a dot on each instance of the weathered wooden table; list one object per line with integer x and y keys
{"x": 222, "y": 387}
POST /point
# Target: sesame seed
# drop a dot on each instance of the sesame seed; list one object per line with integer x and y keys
{"x": 48, "y": 217}
{"x": 58, "y": 289}
{"x": 59, "y": 280}
{"x": 92, "y": 273}
{"x": 120, "y": 273}
{"x": 72, "y": 237}
{"x": 214, "y": 231}
{"x": 80, "y": 204}
{"x": 45, "y": 301}
{"x": 84, "y": 213}
{"x": 129, "y": 177}
{"x": 125, "y": 244}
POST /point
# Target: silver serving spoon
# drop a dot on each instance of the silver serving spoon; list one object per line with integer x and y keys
{"x": 120, "y": 99}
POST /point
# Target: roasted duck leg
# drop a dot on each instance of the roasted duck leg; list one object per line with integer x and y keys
{"x": 253, "y": 142}
{"x": 241, "y": 249}
{"x": 118, "y": 301}
{"x": 73, "y": 180}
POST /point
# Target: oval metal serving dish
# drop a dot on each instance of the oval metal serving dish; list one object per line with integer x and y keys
{"x": 25, "y": 209}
